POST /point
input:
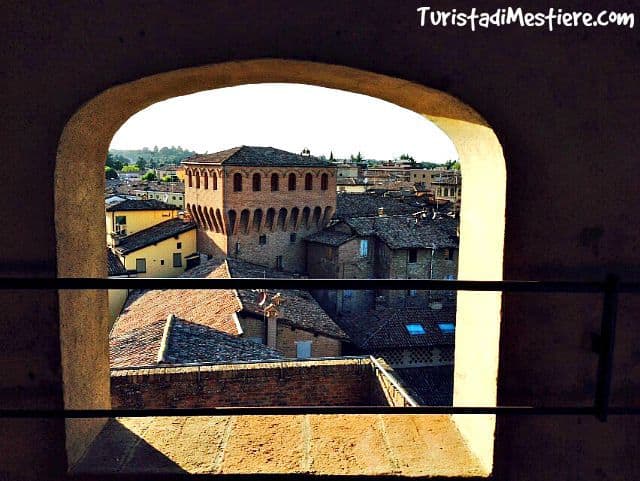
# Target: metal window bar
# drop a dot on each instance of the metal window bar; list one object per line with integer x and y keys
{"x": 610, "y": 288}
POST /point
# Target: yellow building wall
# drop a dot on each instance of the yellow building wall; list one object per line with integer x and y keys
{"x": 138, "y": 220}
{"x": 162, "y": 251}
{"x": 117, "y": 298}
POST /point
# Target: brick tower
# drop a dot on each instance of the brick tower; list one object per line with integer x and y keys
{"x": 258, "y": 203}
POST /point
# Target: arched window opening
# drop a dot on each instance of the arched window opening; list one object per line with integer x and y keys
{"x": 271, "y": 214}
{"x": 237, "y": 182}
{"x": 257, "y": 182}
{"x": 244, "y": 221}
{"x": 293, "y": 222}
{"x": 292, "y": 181}
{"x": 304, "y": 223}
{"x": 315, "y": 220}
{"x": 324, "y": 182}
{"x": 215, "y": 181}
{"x": 231, "y": 222}
{"x": 197, "y": 180}
{"x": 206, "y": 181}
{"x": 208, "y": 219}
{"x": 275, "y": 183}
{"x": 308, "y": 182}
{"x": 190, "y": 177}
{"x": 257, "y": 220}
{"x": 282, "y": 219}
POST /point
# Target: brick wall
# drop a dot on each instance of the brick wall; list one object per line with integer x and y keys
{"x": 321, "y": 346}
{"x": 340, "y": 382}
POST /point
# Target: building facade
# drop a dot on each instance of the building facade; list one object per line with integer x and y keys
{"x": 258, "y": 203}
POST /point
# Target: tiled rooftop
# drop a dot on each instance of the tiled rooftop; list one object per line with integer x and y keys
{"x": 257, "y": 157}
{"x": 385, "y": 328}
{"x": 432, "y": 384}
{"x": 330, "y": 237}
{"x": 153, "y": 235}
{"x": 114, "y": 266}
{"x": 363, "y": 205}
{"x": 151, "y": 204}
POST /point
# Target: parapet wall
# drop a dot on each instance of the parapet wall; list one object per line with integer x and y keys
{"x": 339, "y": 382}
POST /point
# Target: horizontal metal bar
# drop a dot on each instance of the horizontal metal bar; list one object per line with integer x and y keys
{"x": 64, "y": 283}
{"x": 297, "y": 410}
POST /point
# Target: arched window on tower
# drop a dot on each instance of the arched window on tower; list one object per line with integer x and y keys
{"x": 308, "y": 182}
{"x": 256, "y": 182}
{"x": 324, "y": 182}
{"x": 206, "y": 180}
{"x": 215, "y": 181}
{"x": 275, "y": 183}
{"x": 190, "y": 178}
{"x": 197, "y": 180}
{"x": 237, "y": 182}
{"x": 292, "y": 181}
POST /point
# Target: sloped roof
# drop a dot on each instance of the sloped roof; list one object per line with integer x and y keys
{"x": 408, "y": 232}
{"x": 257, "y": 157}
{"x": 433, "y": 384}
{"x": 385, "y": 328}
{"x": 114, "y": 266}
{"x": 298, "y": 308}
{"x": 367, "y": 204}
{"x": 330, "y": 237}
{"x": 153, "y": 235}
{"x": 151, "y": 204}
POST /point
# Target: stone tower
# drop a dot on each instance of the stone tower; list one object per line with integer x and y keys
{"x": 258, "y": 203}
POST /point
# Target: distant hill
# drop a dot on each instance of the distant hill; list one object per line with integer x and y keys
{"x": 153, "y": 157}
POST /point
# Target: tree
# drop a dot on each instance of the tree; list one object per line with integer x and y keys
{"x": 331, "y": 156}
{"x": 110, "y": 173}
{"x": 141, "y": 163}
{"x": 452, "y": 165}
{"x": 166, "y": 178}
{"x": 409, "y": 158}
{"x": 357, "y": 158}
{"x": 151, "y": 175}
{"x": 114, "y": 162}
{"x": 130, "y": 168}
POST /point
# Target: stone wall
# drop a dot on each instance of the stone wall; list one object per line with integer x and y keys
{"x": 343, "y": 382}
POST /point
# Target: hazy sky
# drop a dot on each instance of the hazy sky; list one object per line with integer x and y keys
{"x": 290, "y": 117}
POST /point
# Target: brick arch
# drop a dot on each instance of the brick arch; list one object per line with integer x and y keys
{"x": 282, "y": 219}
{"x": 243, "y": 227}
{"x": 189, "y": 178}
{"x": 256, "y": 223}
{"x": 230, "y": 226}
{"x": 203, "y": 218}
{"x": 292, "y": 181}
{"x": 221, "y": 222}
{"x": 237, "y": 181}
{"x": 270, "y": 219}
{"x": 256, "y": 182}
{"x": 214, "y": 221}
{"x": 304, "y": 222}
{"x": 324, "y": 181}
{"x": 293, "y": 219}
{"x": 315, "y": 219}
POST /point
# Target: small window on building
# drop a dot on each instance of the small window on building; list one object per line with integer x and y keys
{"x": 161, "y": 262}
{"x": 257, "y": 182}
{"x": 308, "y": 182}
{"x": 412, "y": 293}
{"x": 173, "y": 197}
{"x": 415, "y": 329}
{"x": 448, "y": 254}
{"x": 447, "y": 327}
{"x": 413, "y": 255}
{"x": 292, "y": 237}
{"x": 303, "y": 349}
{"x": 292, "y": 181}
{"x": 262, "y": 240}
{"x": 275, "y": 183}
{"x": 324, "y": 182}
{"x": 178, "y": 245}
{"x": 177, "y": 259}
{"x": 237, "y": 182}
{"x": 121, "y": 219}
{"x": 347, "y": 294}
{"x": 364, "y": 247}
{"x": 279, "y": 263}
{"x": 141, "y": 265}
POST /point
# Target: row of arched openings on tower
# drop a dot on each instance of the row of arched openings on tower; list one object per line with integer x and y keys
{"x": 256, "y": 181}
{"x": 259, "y": 221}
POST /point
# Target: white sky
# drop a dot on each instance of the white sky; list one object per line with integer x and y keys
{"x": 289, "y": 117}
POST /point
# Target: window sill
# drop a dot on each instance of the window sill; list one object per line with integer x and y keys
{"x": 335, "y": 445}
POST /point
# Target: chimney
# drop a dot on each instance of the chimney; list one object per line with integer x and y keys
{"x": 380, "y": 211}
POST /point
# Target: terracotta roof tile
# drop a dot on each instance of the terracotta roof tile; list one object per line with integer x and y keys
{"x": 257, "y": 156}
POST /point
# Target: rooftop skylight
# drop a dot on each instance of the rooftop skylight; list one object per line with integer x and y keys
{"x": 447, "y": 327}
{"x": 415, "y": 329}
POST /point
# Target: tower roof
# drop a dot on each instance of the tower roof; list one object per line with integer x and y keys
{"x": 257, "y": 157}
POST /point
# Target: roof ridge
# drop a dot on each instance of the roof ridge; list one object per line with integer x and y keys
{"x": 235, "y": 291}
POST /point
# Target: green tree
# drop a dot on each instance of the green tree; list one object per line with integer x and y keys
{"x": 110, "y": 173}
{"x": 130, "y": 168}
{"x": 166, "y": 178}
{"x": 141, "y": 163}
{"x": 114, "y": 162}
{"x": 357, "y": 158}
{"x": 151, "y": 175}
{"x": 331, "y": 156}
